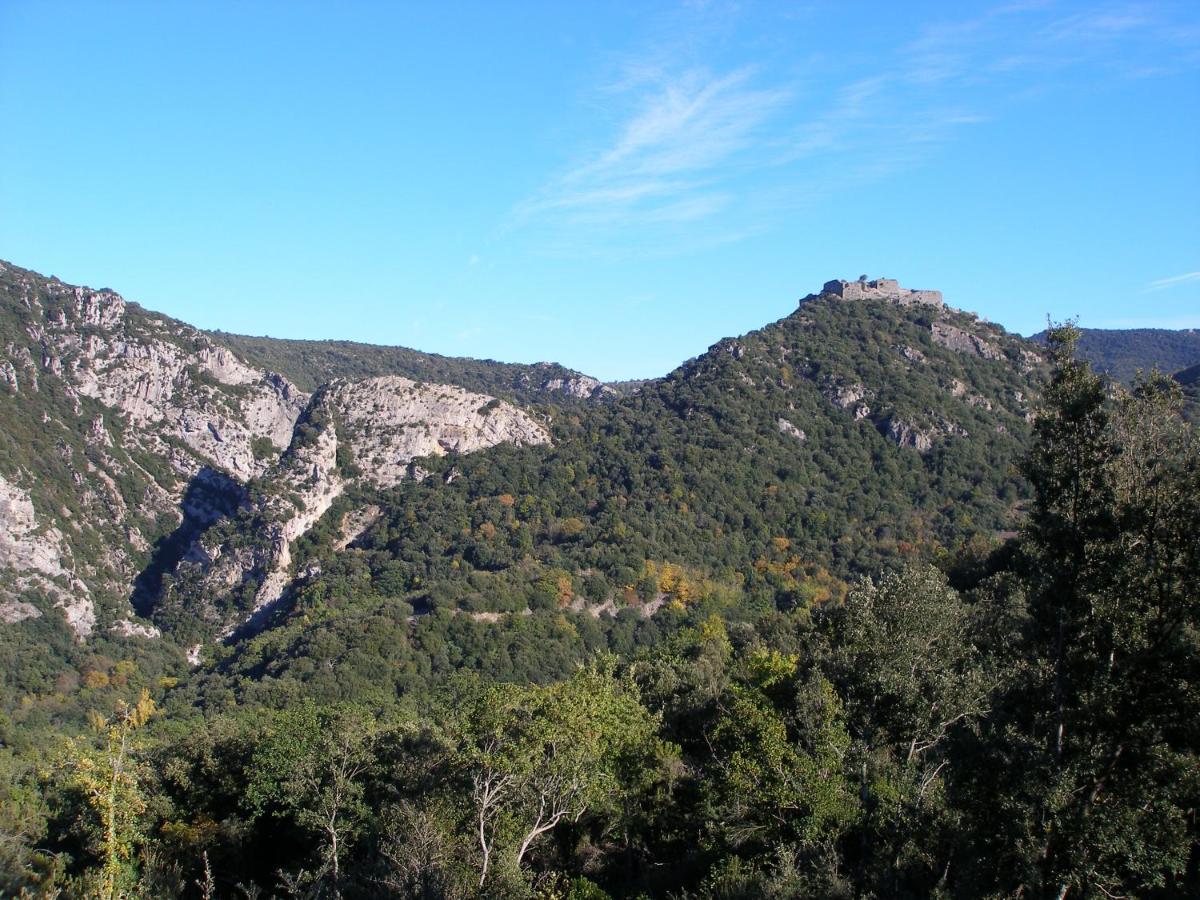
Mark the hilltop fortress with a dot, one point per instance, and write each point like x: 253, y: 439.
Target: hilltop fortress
x: 881, y: 289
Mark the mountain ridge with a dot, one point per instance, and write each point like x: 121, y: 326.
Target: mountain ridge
x: 1121, y: 352
x: 195, y: 493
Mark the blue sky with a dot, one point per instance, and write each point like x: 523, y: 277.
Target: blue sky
x: 612, y: 185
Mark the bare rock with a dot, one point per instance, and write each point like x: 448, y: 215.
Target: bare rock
x: 907, y: 434
x: 390, y: 421
x: 127, y: 628
x: 36, y: 558
x: 14, y: 611
x: 786, y: 427
x: 583, y: 387
x: 962, y: 341
x: 846, y: 395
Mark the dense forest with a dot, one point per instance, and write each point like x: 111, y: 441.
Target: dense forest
x: 1012, y: 715
x: 1122, y: 352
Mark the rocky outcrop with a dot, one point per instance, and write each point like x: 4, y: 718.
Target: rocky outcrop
x: 849, y: 397
x: 787, y: 428
x: 133, y: 409
x: 964, y: 341
x: 14, y: 611
x: 582, y: 387
x: 548, y: 378
x: 388, y: 422
x: 34, y: 557
x: 962, y: 392
x: 908, y: 434
x: 368, y: 431
x: 201, y: 395
x: 167, y: 380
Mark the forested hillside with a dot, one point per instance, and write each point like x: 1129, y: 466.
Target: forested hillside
x: 1189, y: 380
x: 1014, y: 721
x: 1121, y: 352
x: 878, y: 599
x: 765, y: 474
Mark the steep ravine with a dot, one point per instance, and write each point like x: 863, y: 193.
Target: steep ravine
x: 367, y: 432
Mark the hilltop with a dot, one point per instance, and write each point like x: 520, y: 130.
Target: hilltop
x: 136, y: 447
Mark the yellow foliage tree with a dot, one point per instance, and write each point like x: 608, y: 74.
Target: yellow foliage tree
x: 107, y: 781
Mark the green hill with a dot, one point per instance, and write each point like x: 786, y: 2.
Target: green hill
x: 1122, y: 352
x: 309, y: 364
x: 763, y: 474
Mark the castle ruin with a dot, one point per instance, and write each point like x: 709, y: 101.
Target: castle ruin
x: 881, y: 289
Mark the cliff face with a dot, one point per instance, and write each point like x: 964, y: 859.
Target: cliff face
x: 127, y: 435
x: 34, y: 556
x: 177, y: 383
x: 111, y: 416
x: 390, y: 421
x: 354, y: 433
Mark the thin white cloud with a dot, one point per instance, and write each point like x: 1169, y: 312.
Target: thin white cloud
x: 1174, y: 281
x: 678, y: 170
x: 685, y: 133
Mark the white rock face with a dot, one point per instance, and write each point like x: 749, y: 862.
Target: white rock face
x: 35, y: 558
x: 786, y: 427
x: 391, y: 421
x: 313, y: 478
x: 158, y: 382
x: 167, y: 391
x: 126, y: 628
x: 583, y: 387
x: 14, y: 611
x: 964, y: 341
x: 850, y: 397
x: 384, y: 423
x: 907, y: 434
x: 572, y: 384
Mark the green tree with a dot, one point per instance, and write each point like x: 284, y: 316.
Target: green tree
x: 778, y: 778
x: 312, y: 767
x: 1099, y: 738
x: 912, y: 677
x: 536, y: 758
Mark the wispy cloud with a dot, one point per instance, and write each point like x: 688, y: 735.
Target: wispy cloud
x: 687, y: 133
x: 682, y: 167
x: 1174, y: 281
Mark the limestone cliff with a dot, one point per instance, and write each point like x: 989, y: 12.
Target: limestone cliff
x: 390, y: 421
x: 117, y: 423
x: 365, y: 432
x: 32, y: 551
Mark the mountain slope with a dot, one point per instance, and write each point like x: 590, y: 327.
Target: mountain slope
x: 762, y: 474
x: 1121, y: 352
x: 1189, y: 380
x: 126, y: 435
x: 313, y: 363
x: 119, y: 426
x: 271, y: 531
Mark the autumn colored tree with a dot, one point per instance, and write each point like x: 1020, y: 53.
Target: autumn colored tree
x: 108, y: 781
